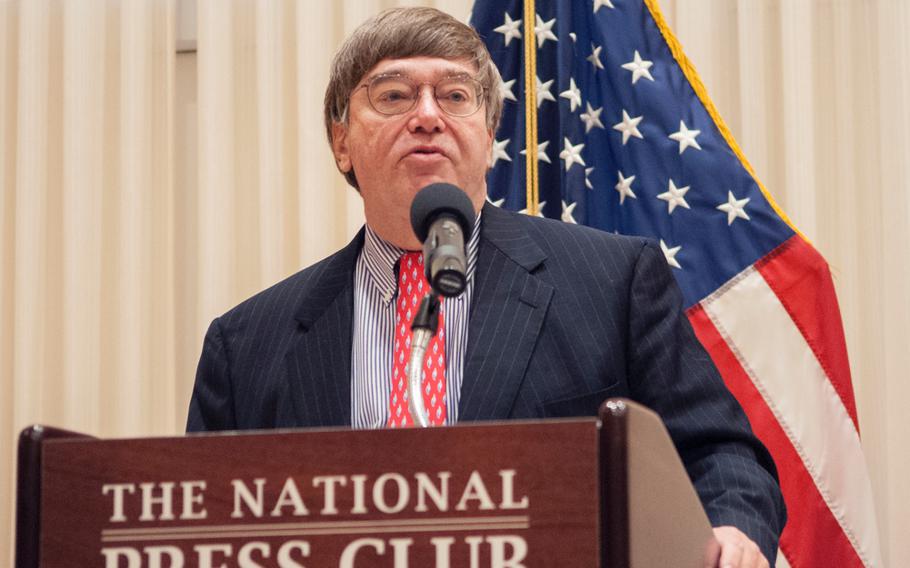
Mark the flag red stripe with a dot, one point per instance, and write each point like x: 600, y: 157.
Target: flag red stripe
x: 800, y: 278
x: 812, y: 536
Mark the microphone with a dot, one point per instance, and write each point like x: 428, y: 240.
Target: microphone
x: 441, y: 216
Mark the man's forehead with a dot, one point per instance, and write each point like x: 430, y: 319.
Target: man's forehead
x: 423, y: 68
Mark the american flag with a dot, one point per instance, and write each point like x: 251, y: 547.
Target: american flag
x: 628, y: 141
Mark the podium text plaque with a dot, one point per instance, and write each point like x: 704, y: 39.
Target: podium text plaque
x: 469, y: 496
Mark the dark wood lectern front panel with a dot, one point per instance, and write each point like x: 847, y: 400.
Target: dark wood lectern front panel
x: 474, y: 496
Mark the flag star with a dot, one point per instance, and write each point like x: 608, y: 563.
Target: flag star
x: 734, y: 208
x: 573, y: 94
x: 685, y: 137
x: 628, y: 127
x: 591, y: 118
x: 499, y: 151
x: 670, y: 254
x: 639, y: 68
x: 497, y: 203
x: 543, y: 92
x: 540, y: 207
x: 567, y: 210
x: 510, y: 28
x: 544, y: 31
x: 505, y: 90
x: 572, y: 154
x: 674, y: 197
x: 598, y: 4
x: 624, y: 187
x: 594, y: 58
x: 588, y: 183
x: 573, y: 36
x: 541, y: 152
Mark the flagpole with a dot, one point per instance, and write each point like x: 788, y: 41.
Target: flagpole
x: 530, y: 108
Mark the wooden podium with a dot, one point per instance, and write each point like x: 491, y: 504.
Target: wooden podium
x: 567, y: 493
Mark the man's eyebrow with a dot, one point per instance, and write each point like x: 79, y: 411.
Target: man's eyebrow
x: 388, y: 72
x: 400, y: 72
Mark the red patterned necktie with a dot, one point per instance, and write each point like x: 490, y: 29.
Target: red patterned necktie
x: 412, y: 287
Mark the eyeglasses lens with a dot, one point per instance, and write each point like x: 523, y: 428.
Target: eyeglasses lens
x: 457, y: 96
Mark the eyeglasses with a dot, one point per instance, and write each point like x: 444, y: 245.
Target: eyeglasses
x: 397, y: 94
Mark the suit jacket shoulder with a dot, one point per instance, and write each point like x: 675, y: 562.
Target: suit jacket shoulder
x: 563, y: 244
x: 242, y: 379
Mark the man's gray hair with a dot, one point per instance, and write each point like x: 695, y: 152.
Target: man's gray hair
x: 407, y: 32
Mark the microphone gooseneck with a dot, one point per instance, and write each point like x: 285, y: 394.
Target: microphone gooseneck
x: 424, y: 328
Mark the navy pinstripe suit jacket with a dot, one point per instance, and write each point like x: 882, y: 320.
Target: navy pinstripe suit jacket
x: 563, y: 317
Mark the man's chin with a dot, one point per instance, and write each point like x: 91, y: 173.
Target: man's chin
x: 420, y: 181
x: 476, y: 192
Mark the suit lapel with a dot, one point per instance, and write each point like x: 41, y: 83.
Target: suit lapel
x: 508, y: 309
x: 319, y: 363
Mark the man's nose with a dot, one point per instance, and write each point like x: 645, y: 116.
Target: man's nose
x: 426, y: 115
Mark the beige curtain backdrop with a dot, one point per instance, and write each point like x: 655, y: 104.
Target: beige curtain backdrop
x: 87, y: 281
x: 144, y: 193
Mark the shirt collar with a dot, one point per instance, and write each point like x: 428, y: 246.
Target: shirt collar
x: 379, y: 258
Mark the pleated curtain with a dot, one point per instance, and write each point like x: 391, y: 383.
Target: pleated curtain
x: 87, y: 325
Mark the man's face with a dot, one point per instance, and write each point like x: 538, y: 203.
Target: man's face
x: 396, y: 156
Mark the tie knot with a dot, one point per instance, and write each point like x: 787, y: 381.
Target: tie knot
x: 410, y: 271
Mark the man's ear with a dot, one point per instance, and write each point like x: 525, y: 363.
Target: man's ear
x: 340, y: 147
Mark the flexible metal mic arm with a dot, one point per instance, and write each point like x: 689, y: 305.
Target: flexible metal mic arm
x: 423, y: 329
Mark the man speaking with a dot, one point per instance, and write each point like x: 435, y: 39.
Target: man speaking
x: 553, y: 319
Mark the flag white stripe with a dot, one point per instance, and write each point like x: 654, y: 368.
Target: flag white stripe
x: 796, y: 389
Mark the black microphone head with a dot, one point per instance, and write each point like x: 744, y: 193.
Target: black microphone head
x: 436, y: 199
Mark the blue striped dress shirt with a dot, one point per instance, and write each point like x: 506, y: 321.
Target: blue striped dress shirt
x: 375, y: 290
